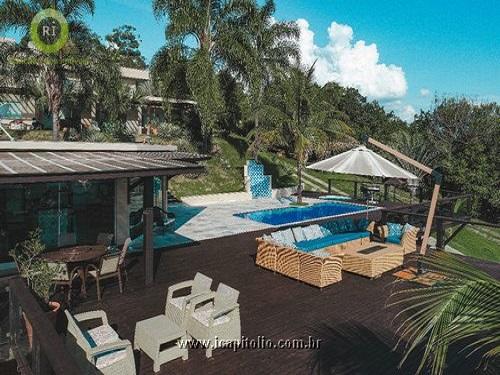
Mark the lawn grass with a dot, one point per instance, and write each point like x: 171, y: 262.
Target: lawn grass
x: 224, y: 174
x: 476, y: 245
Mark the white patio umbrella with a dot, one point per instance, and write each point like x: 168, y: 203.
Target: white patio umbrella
x: 363, y: 162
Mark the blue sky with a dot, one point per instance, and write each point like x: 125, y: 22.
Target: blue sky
x: 424, y: 47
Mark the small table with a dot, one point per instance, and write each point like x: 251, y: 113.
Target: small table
x: 151, y: 334
x: 77, y: 257
x: 373, y: 259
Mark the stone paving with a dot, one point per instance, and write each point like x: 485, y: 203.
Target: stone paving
x: 218, y: 220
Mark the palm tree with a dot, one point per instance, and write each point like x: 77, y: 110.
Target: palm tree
x: 461, y: 310
x: 18, y: 14
x: 200, y: 34
x: 297, y: 118
x: 269, y: 47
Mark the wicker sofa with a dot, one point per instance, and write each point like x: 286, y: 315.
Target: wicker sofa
x: 317, y: 254
x: 313, y: 255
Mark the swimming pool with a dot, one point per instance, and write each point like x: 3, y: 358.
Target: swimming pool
x: 291, y: 215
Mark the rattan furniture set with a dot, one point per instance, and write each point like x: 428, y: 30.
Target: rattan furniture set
x: 315, y: 262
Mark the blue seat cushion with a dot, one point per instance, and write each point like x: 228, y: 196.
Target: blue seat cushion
x: 334, y: 239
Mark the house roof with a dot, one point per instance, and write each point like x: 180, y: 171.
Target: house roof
x: 83, y: 146
x: 33, y: 166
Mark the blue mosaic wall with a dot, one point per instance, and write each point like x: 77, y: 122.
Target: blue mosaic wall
x: 260, y: 184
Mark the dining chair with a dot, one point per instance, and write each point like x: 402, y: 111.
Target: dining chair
x: 104, y: 239
x: 66, y: 239
x: 63, y: 276
x: 110, y: 266
x: 123, y: 256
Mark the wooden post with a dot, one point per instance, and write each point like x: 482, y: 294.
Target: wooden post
x: 148, y: 246
x: 355, y: 190
x: 440, y: 234
x: 430, y: 218
x: 148, y: 195
x: 164, y: 194
x: 329, y: 186
x: 386, y: 191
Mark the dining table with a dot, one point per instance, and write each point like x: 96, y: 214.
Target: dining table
x: 77, y: 257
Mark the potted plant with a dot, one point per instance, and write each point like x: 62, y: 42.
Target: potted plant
x: 36, y: 272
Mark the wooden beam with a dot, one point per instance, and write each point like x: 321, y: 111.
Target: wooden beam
x: 430, y: 218
x: 401, y: 156
x: 148, y: 247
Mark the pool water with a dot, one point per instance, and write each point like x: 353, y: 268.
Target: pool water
x: 290, y: 215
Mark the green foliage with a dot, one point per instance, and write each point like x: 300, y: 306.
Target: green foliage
x: 465, y: 137
x: 125, y: 41
x: 17, y: 15
x: 174, y: 134
x: 35, y: 270
x: 298, y: 120
x: 205, y: 88
x: 462, y: 309
x: 224, y: 174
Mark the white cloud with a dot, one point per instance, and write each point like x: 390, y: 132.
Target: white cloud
x: 425, y: 92
x: 351, y: 64
x: 404, y: 111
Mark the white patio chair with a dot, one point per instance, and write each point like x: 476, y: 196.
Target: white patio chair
x: 176, y: 307
x: 101, y: 345
x: 215, y: 315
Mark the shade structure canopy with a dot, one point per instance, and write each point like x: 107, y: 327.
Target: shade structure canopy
x: 363, y: 162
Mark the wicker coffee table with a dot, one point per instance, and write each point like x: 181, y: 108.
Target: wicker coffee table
x: 152, y: 335
x: 373, y: 259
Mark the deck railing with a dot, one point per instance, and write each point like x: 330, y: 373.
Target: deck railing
x: 48, y: 354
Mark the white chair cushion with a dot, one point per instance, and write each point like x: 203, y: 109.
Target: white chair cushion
x: 203, y: 315
x: 288, y: 237
x: 298, y: 233
x: 178, y: 301
x: 106, y: 335
x: 93, y: 273
x: 312, y: 232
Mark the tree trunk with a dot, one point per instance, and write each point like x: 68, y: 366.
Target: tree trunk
x: 256, y: 147
x: 299, y: 187
x: 54, y: 81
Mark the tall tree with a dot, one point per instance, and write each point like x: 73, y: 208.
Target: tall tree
x: 270, y: 46
x: 298, y: 118
x: 125, y: 41
x: 199, y: 33
x: 465, y: 136
x: 18, y: 15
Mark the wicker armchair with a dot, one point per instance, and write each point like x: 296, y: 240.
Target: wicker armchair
x: 176, y: 307
x: 215, y: 318
x: 63, y: 276
x: 101, y: 346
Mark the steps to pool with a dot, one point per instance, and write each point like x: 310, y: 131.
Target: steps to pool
x: 258, y: 184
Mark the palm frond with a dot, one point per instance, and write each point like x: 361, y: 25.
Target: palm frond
x: 463, y: 308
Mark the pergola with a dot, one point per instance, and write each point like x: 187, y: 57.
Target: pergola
x: 45, y: 162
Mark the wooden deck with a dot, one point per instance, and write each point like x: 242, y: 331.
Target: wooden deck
x: 349, y: 317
